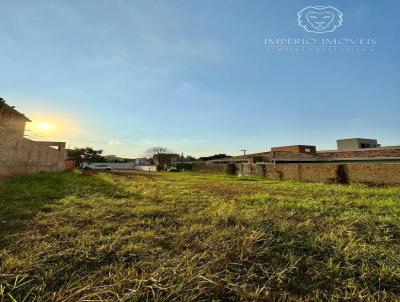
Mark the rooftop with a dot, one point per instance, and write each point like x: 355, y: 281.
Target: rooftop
x: 11, y: 109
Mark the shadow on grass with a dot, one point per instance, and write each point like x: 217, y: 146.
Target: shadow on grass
x: 23, y: 197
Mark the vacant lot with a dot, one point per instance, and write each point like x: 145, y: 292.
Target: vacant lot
x: 192, y: 237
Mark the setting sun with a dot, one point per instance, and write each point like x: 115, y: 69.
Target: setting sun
x: 43, y: 126
x: 47, y: 126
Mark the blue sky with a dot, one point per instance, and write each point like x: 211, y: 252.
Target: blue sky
x: 194, y: 76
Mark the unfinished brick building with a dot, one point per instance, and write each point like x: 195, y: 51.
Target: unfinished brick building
x: 19, y: 155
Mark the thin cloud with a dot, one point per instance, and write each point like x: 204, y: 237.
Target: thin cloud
x: 114, y: 142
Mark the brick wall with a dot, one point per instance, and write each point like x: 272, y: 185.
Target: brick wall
x: 19, y: 155
x: 291, y: 152
x: 361, y: 154
x: 296, y: 149
x: 202, y: 167
x: 303, y: 172
x: 374, y: 173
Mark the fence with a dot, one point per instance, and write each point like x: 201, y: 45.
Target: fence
x: 373, y: 173
x: 128, y: 166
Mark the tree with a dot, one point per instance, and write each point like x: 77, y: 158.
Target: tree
x: 89, y: 155
x: 155, y: 153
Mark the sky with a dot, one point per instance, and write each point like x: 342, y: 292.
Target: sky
x: 195, y: 76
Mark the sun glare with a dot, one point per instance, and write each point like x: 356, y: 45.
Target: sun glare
x: 43, y: 126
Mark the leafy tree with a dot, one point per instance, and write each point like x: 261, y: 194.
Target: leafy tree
x: 89, y: 155
x: 156, y: 151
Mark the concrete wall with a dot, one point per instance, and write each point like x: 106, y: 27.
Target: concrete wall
x: 23, y: 156
x: 373, y: 173
x: 129, y: 166
x: 350, y: 144
x: 146, y: 168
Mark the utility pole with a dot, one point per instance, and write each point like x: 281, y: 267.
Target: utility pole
x: 244, y: 151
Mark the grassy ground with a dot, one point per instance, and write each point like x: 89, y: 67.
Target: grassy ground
x: 188, y: 237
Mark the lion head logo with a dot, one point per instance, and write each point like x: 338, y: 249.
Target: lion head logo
x: 320, y: 19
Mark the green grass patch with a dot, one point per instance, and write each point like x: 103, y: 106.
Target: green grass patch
x: 196, y: 237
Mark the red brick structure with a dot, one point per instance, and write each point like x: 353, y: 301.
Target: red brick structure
x: 296, y: 149
x: 368, y: 173
x: 374, y: 153
x: 289, y: 154
x: 369, y: 165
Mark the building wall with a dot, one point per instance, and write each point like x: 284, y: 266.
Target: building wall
x: 393, y: 152
x: 361, y: 153
x: 141, y: 161
x: 128, y: 166
x: 355, y: 143
x: 296, y: 149
x: 11, y: 120
x: 19, y: 155
x: 202, y: 167
x: 373, y: 173
x: 146, y: 168
x: 303, y: 172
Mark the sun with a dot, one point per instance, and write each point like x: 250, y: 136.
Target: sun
x: 43, y: 126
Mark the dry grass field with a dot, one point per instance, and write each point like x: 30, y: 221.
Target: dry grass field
x: 194, y: 237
